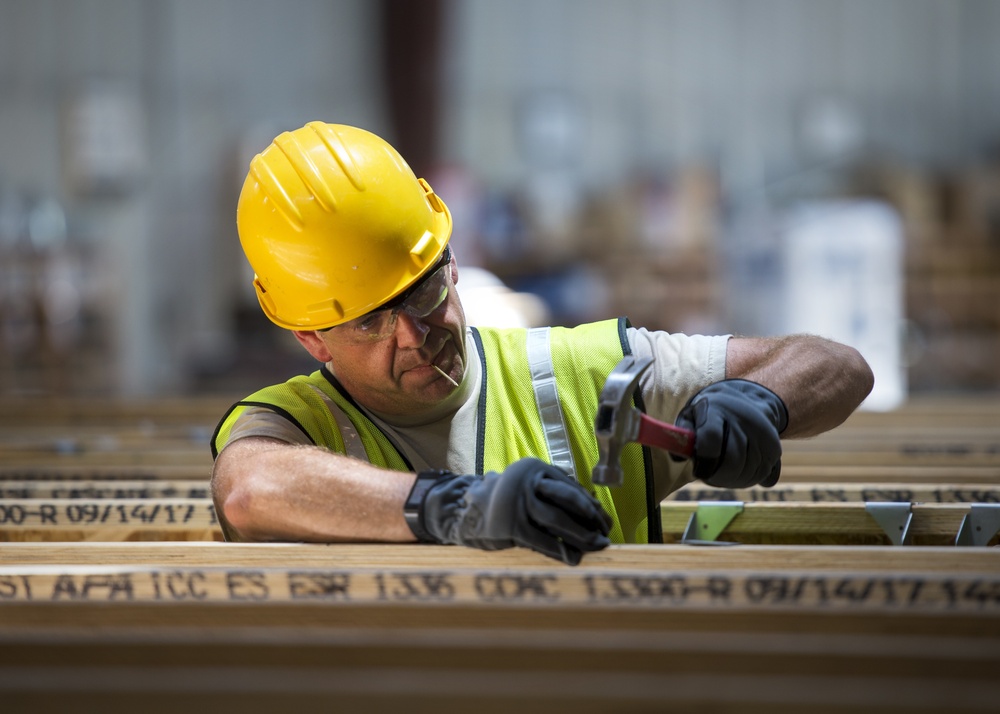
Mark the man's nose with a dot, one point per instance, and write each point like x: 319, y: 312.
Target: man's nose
x: 410, y: 331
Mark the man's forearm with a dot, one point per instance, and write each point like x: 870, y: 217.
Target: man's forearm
x: 267, y: 490
x: 821, y: 382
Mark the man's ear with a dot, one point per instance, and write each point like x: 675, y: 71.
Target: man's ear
x: 453, y: 265
x: 314, y: 344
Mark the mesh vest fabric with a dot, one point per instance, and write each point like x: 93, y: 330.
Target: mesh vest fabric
x: 299, y: 401
x: 582, y: 358
x: 510, y: 426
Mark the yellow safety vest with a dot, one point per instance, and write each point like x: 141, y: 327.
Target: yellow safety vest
x: 539, y: 395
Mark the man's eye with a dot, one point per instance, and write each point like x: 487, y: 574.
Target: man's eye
x: 368, y: 324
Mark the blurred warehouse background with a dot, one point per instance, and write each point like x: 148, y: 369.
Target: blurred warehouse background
x: 747, y: 166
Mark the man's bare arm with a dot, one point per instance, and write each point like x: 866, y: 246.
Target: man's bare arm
x: 821, y: 382
x: 265, y: 489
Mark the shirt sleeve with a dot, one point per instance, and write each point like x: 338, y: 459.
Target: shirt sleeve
x: 682, y: 366
x: 259, y: 421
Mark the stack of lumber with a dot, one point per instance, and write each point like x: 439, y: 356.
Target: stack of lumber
x: 116, y: 594
x: 940, y: 456
x: 106, y: 470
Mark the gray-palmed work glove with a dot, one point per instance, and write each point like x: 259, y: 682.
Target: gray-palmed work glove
x: 531, y: 504
x: 736, y: 425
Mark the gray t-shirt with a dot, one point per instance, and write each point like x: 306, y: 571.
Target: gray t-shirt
x: 446, y: 437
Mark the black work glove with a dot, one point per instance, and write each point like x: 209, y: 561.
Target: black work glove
x: 531, y: 504
x: 736, y: 424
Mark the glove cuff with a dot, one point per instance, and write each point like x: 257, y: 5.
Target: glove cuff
x: 413, y: 508
x: 778, y: 408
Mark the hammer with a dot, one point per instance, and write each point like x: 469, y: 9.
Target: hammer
x: 619, y: 423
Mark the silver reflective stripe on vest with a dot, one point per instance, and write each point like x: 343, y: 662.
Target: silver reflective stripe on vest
x: 543, y: 381
x: 352, y: 440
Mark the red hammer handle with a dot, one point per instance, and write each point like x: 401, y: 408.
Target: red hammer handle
x: 675, y: 439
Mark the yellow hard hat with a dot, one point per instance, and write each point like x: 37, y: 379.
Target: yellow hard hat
x: 335, y: 223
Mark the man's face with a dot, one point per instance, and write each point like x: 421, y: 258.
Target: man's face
x: 396, y: 375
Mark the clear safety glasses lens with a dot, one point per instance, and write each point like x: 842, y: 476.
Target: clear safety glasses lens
x: 380, y: 324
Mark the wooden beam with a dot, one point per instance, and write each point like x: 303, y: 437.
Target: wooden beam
x: 957, y: 456
x: 195, y: 519
x: 109, y: 519
x: 741, y: 590
x: 100, y: 489
x: 73, y: 411
x: 844, y: 492
x: 916, y: 472
x: 60, y: 513
x: 394, y: 555
x: 272, y: 627
x: 500, y: 594
x: 846, y: 523
x: 56, y: 469
x: 489, y: 671
x: 97, y: 459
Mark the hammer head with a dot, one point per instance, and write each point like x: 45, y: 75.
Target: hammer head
x: 617, y: 421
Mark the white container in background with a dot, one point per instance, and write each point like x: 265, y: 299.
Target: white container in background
x: 842, y: 275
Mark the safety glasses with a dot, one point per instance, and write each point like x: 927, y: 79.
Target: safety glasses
x: 423, y: 298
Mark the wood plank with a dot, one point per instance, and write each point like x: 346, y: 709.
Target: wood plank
x: 890, y: 436
x: 954, y: 589
x: 869, y: 491
x: 58, y: 513
x: 916, y: 472
x: 116, y: 411
x: 984, y: 458
x: 56, y: 470
x: 936, y: 410
x: 975, y: 594
x: 90, y: 436
x: 374, y: 592
x: 394, y: 555
x: 836, y: 522
x: 95, y: 460
x: 109, y: 519
x: 751, y: 628
x: 195, y: 519
x: 100, y: 489
x: 527, y: 670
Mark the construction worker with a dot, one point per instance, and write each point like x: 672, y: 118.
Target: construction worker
x: 419, y: 427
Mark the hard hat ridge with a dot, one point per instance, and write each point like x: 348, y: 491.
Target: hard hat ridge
x: 334, y: 223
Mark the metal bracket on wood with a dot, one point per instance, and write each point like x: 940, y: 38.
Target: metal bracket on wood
x: 979, y: 525
x: 894, y: 518
x: 709, y: 519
